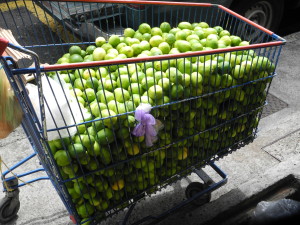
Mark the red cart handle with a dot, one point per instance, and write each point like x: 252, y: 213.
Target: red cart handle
x: 3, y: 45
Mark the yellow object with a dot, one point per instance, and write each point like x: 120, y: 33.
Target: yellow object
x: 182, y: 153
x: 133, y: 150
x: 10, y: 110
x: 118, y: 185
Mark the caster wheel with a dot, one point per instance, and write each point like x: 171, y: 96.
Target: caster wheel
x: 194, y: 188
x: 9, y: 208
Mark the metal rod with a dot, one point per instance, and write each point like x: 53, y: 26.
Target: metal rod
x: 19, y: 164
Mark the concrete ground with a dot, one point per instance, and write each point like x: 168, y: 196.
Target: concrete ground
x: 272, y: 157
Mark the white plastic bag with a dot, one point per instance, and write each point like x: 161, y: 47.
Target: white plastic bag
x: 61, y: 108
x: 276, y: 211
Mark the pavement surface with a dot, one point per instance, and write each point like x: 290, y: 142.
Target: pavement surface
x: 265, y: 164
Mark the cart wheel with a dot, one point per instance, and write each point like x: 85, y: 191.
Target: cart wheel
x: 9, y: 208
x: 195, y: 187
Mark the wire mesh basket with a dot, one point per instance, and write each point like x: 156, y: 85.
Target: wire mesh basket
x: 202, y: 97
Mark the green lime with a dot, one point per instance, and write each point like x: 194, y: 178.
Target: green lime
x: 155, y: 51
x: 89, y: 95
x: 145, y: 28
x: 123, y: 81
x: 127, y: 50
x: 110, y: 84
x: 111, y: 120
x: 185, y: 66
x: 196, y: 79
x: 239, y: 95
x: 183, y: 46
x: 164, y: 47
x: 134, y: 40
x: 137, y: 77
x: 239, y: 71
x: 85, y: 210
x: 88, y: 141
x: 156, y: 31
x: 100, y: 41
x: 235, y: 40
x: 106, y: 47
x: 215, y: 80
x: 114, y: 40
x: 88, y: 73
x: 146, y: 83
x: 83, y: 53
x: 174, y: 30
x: 226, y: 80
x: 75, y: 50
x: 181, y: 35
x: 92, y: 82
x: 66, y: 56
x: 96, y: 107
x: 88, y: 58
x: 75, y: 58
x: 105, y: 156
x: 212, y: 111
x: 73, y: 193
x: 101, y: 72
x: 208, y: 31
x: 89, y: 50
x: 145, y: 45
x: 165, y: 27
x: 61, y: 158
x: 226, y: 40
x: 177, y: 91
x: 164, y: 83
x: 70, y: 169
x: 224, y: 33
x: 99, y: 54
x: 170, y: 39
x: 94, y: 151
x: 91, y: 131
x: 155, y: 40
x: 52, y: 147
x: 186, y: 80
x: 123, y: 133
x: 129, y: 32
x: 101, y: 184
x: 105, y: 136
x: 174, y: 75
x: 119, y: 46
x: 146, y: 37
x: 121, y: 95
x: 63, y: 61
x: 105, y: 96
x: 200, y: 34
x: 103, y: 206
x: 185, y: 25
x: 135, y: 88
x: 136, y: 99
x: 76, y: 150
x: 193, y: 37
x: 155, y: 92
x: 219, y: 29
x: 161, y: 65
x: 146, y: 99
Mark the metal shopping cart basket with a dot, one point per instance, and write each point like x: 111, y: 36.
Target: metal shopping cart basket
x: 135, y: 95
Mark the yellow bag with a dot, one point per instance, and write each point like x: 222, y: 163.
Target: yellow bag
x: 10, y: 109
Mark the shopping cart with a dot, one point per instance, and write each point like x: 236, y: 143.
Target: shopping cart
x: 96, y: 157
